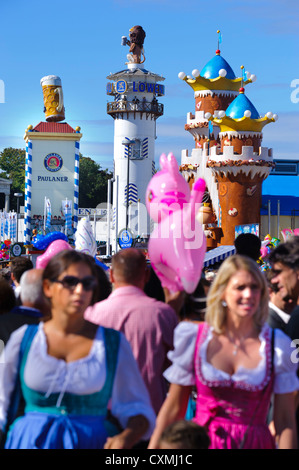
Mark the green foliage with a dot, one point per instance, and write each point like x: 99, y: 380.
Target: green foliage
x: 12, y: 166
x: 92, y: 183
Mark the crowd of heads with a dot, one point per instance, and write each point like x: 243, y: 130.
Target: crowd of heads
x: 130, y: 267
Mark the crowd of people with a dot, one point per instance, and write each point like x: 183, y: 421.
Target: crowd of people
x: 114, y: 361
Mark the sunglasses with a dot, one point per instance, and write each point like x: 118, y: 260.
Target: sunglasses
x: 70, y: 282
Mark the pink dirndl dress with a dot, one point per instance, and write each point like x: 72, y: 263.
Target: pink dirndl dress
x: 234, y: 413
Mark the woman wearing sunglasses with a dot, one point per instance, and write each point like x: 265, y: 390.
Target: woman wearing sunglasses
x: 70, y: 370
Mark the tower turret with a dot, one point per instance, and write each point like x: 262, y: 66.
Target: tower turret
x: 227, y: 129
x: 242, y: 164
x: 215, y: 87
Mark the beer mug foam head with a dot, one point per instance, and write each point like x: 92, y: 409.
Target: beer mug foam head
x: 53, y: 98
x: 49, y: 80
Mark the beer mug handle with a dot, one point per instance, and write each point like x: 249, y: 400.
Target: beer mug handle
x: 60, y: 96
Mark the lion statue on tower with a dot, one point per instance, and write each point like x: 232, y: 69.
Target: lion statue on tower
x: 137, y: 36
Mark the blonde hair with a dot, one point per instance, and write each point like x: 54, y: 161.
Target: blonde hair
x: 216, y: 312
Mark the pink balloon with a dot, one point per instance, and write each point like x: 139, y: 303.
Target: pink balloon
x: 177, y: 245
x: 264, y: 251
x: 55, y: 247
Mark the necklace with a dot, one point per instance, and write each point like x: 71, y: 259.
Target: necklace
x: 236, y: 346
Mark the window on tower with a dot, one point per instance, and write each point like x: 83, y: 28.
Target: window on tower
x: 136, y: 150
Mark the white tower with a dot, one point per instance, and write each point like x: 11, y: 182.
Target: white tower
x: 135, y: 109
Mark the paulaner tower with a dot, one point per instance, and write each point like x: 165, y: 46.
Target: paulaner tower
x: 52, y: 158
x: 135, y: 109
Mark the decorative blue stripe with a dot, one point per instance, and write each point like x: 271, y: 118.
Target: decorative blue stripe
x: 76, y: 186
x: 28, y: 184
x: 114, y: 217
x: 128, y: 149
x: 133, y: 193
x: 145, y: 148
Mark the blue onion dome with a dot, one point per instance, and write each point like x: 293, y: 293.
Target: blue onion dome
x: 240, y: 105
x: 211, y: 69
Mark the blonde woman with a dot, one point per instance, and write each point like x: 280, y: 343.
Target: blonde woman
x: 236, y: 364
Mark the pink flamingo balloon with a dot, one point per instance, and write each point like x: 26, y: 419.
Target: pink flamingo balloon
x: 177, y: 245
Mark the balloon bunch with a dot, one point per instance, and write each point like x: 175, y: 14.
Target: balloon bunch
x: 268, y: 245
x: 177, y: 245
x: 4, y: 250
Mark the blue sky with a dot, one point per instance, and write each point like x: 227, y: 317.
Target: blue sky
x: 81, y: 42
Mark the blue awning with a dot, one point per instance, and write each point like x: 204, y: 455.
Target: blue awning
x: 218, y: 254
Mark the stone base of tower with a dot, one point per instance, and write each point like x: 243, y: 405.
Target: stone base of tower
x: 240, y: 201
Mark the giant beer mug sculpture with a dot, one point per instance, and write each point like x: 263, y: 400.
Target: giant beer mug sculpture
x: 53, y: 98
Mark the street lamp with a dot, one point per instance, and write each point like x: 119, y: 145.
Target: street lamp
x: 128, y: 143
x: 18, y: 195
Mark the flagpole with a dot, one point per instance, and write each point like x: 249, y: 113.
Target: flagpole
x: 243, y: 78
x: 65, y: 217
x: 219, y: 38
x: 45, y: 209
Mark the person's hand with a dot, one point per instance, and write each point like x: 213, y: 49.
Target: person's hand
x: 136, y: 427
x: 119, y: 441
x: 174, y: 299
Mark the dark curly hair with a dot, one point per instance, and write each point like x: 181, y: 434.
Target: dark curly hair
x: 7, y: 297
x: 186, y: 435
x: 286, y: 253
